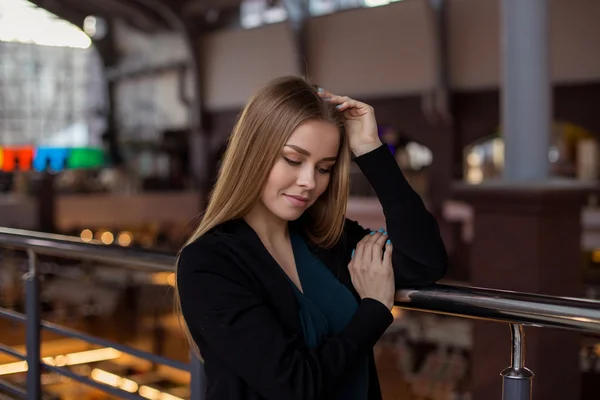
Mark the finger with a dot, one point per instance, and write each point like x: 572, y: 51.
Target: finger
x: 387, y: 256
x: 378, y: 247
x: 351, y: 263
x: 370, y: 245
x: 359, y: 253
x: 324, y: 93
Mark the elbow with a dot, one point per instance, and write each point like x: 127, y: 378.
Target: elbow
x: 411, y: 273
x: 438, y: 266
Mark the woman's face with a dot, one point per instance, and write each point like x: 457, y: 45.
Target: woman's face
x: 302, y: 171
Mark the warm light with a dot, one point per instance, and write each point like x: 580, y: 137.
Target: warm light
x: 49, y: 361
x: 171, y: 279
x: 596, y: 256
x: 397, y: 312
x: 163, y: 278
x: 13, y: 368
x: 474, y: 176
x: 89, y: 356
x: 107, y: 238
x: 86, y: 235
x: 82, y: 357
x: 474, y: 160
x: 128, y: 385
x: 149, y: 393
x: 125, y: 238
x: 105, y: 377
x: 114, y: 380
x: 60, y: 361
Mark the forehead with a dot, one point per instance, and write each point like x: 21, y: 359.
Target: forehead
x: 320, y: 138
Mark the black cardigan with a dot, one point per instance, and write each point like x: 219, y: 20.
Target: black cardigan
x: 242, y: 313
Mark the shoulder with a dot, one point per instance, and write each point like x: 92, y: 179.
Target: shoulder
x: 213, y: 250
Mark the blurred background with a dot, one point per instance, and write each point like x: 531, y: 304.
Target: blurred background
x: 114, y: 115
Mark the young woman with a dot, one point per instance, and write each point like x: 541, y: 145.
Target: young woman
x: 285, y: 297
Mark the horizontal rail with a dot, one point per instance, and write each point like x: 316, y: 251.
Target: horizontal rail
x: 13, y: 390
x: 460, y: 301
x: 12, y: 352
x: 12, y: 315
x: 61, y: 330
x: 122, y: 348
x: 504, y: 306
x: 73, y: 247
x: 119, y: 393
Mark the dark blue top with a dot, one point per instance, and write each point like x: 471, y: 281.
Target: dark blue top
x: 325, y: 308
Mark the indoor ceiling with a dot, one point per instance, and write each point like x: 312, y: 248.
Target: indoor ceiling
x: 146, y: 15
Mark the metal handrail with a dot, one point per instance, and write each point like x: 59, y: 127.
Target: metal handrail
x: 461, y: 301
x: 515, y: 308
x: 504, y: 306
x: 35, y: 243
x: 94, y: 250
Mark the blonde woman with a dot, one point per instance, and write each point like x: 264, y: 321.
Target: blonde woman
x: 283, y: 296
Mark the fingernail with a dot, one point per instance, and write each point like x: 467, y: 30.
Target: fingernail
x: 388, y: 242
x: 385, y: 233
x: 372, y: 233
x: 338, y: 106
x: 327, y: 99
x: 352, y: 256
x: 320, y: 89
x: 381, y: 230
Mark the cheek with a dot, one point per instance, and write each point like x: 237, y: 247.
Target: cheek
x: 322, y: 183
x: 279, y: 178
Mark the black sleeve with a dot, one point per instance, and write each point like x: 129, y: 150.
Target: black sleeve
x: 419, y: 256
x: 222, y: 307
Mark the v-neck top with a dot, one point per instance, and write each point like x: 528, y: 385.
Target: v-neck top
x: 325, y: 307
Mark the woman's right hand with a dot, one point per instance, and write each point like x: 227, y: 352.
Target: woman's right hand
x: 371, y: 269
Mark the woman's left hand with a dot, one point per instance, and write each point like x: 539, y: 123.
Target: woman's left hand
x: 359, y: 121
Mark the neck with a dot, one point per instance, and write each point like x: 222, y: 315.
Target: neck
x: 269, y: 228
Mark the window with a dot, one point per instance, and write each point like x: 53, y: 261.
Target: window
x: 48, y: 70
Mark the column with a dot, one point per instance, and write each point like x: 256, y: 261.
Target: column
x: 526, y: 89
x: 527, y: 226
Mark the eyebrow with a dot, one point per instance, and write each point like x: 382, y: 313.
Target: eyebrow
x: 306, y: 153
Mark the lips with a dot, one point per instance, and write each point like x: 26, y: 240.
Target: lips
x: 297, y: 201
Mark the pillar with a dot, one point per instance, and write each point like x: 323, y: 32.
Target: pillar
x: 526, y: 89
x: 527, y: 225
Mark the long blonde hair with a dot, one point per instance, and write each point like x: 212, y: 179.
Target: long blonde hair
x: 263, y: 128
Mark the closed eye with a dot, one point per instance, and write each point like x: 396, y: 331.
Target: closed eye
x: 291, y: 162
x: 296, y: 163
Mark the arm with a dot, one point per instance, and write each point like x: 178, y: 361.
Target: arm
x: 419, y: 256
x: 224, y: 309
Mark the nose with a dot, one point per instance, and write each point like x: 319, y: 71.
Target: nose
x: 306, y: 178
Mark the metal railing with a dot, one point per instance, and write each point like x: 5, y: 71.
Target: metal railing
x: 513, y: 308
x: 34, y: 244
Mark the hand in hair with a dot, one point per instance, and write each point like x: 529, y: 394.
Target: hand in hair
x: 359, y: 122
x: 371, y: 269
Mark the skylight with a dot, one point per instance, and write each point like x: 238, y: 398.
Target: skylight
x: 24, y: 22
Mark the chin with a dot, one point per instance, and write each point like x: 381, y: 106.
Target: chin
x: 290, y: 215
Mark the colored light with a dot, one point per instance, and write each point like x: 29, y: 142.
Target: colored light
x: 86, y: 158
x: 13, y: 156
x: 23, y: 158
x: 86, y: 235
x: 55, y: 158
x: 107, y: 238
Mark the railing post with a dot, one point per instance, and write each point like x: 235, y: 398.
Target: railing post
x: 197, y: 378
x: 516, y: 379
x: 32, y: 311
